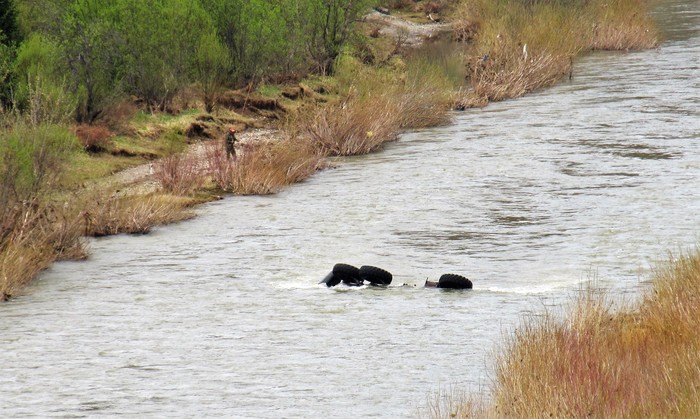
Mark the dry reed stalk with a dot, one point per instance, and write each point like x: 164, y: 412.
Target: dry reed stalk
x: 33, y: 236
x: 422, y: 107
x: 20, y: 263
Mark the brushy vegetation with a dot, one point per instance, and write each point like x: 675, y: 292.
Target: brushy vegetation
x: 376, y: 104
x: 262, y: 168
x: 520, y: 45
x: 601, y: 362
x: 86, y: 54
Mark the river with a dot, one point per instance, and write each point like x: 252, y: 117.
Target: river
x: 594, y: 180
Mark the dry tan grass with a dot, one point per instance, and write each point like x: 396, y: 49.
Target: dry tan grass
x: 517, y: 76
x: 523, y: 46
x: 33, y: 235
x: 263, y: 168
x: 376, y: 106
x: 107, y: 215
x: 621, y: 25
x: 353, y: 126
x: 20, y: 263
x: 599, y: 362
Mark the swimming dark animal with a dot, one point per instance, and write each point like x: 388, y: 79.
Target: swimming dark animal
x: 451, y: 281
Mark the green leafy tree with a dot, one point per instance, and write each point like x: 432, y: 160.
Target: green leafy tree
x: 42, y: 16
x: 329, y: 24
x: 160, y: 38
x: 40, y: 82
x: 8, y: 23
x: 212, y: 63
x: 90, y: 45
x: 31, y: 158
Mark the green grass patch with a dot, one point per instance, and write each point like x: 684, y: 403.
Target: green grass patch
x: 270, y: 90
x: 82, y: 167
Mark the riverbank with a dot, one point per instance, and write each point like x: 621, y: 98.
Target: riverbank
x: 598, y: 361
x: 380, y: 87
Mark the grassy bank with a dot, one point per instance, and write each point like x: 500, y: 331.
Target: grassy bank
x: 52, y: 195
x: 519, y: 46
x: 600, y: 362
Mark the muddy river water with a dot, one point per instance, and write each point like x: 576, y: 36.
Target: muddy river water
x: 595, y: 180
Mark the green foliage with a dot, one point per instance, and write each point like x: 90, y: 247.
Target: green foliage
x: 41, y: 89
x: 211, y: 63
x: 329, y: 23
x: 90, y: 43
x: 159, y: 38
x: 99, y: 50
x: 7, y: 57
x: 9, y: 31
x: 31, y: 158
x: 269, y: 37
x: 43, y: 16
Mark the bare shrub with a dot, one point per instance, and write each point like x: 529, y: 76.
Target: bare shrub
x: 180, y: 173
x: 353, y: 126
x: 94, y: 138
x: 118, y: 114
x: 263, y: 168
x: 220, y: 167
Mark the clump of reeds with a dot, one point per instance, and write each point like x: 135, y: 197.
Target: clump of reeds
x: 621, y: 25
x: 353, y: 126
x: 521, y: 46
x: 32, y: 236
x: 601, y: 362
x: 133, y: 214
x: 262, y: 168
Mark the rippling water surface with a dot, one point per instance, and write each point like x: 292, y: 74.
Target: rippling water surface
x: 223, y: 316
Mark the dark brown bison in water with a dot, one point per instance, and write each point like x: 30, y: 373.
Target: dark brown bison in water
x: 354, y: 277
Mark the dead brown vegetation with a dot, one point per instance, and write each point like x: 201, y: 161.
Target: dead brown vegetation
x: 94, y: 138
x: 181, y: 173
x: 109, y: 215
x: 262, y: 168
x: 517, y: 47
x: 598, y: 361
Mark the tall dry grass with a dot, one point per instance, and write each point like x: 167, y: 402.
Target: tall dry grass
x: 621, y: 25
x: 104, y: 214
x: 32, y: 236
x: 521, y: 46
x: 376, y: 105
x: 600, y: 362
x: 262, y: 168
